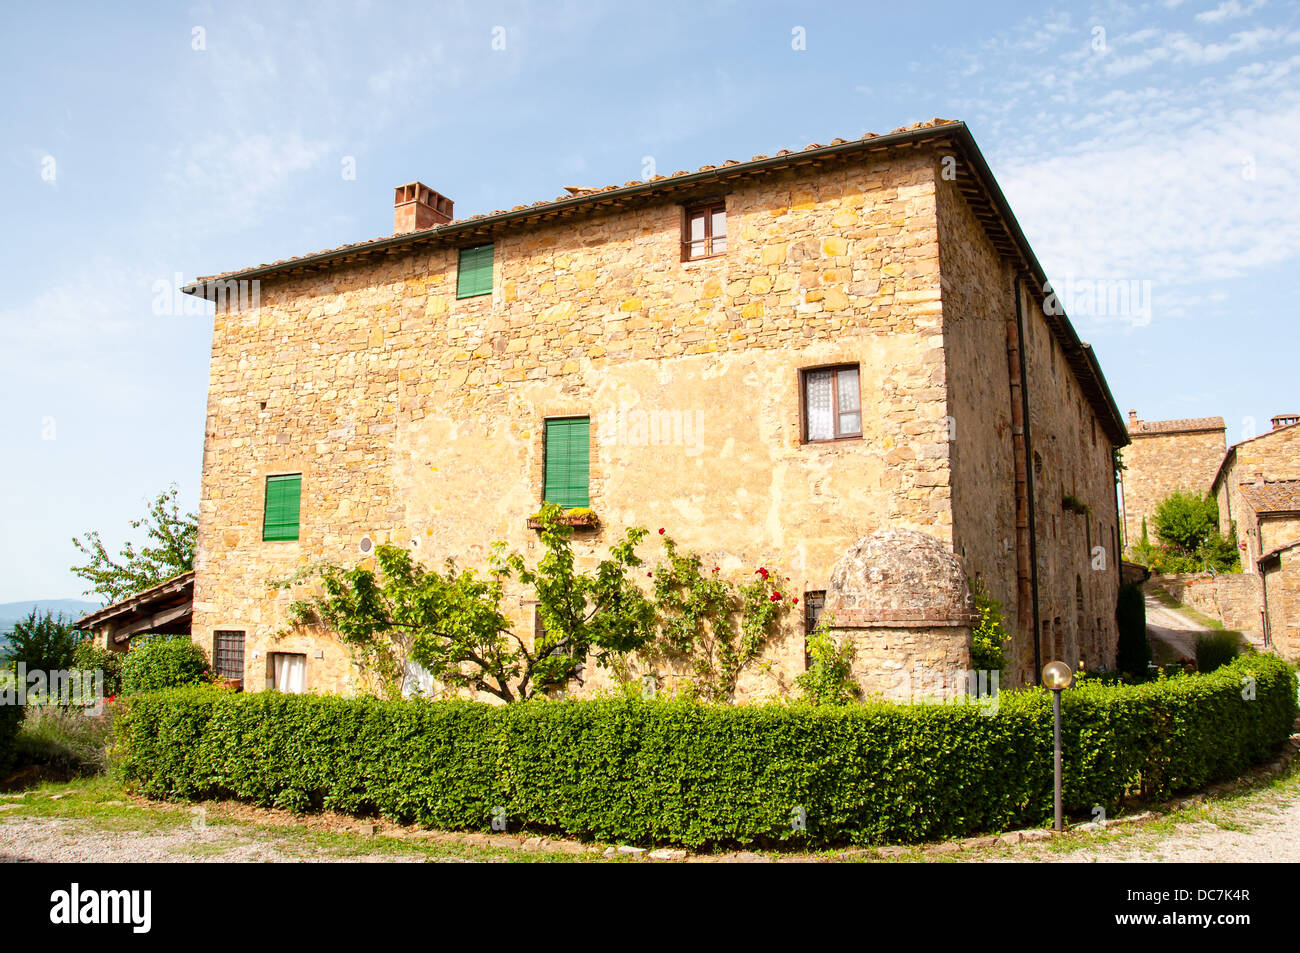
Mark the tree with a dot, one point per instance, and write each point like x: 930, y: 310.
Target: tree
x: 451, y: 624
x: 45, y: 643
x: 1134, y: 652
x: 1187, y: 526
x: 167, y: 552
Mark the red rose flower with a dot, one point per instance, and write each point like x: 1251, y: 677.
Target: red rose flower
x: 776, y: 597
x: 661, y: 530
x: 795, y: 600
x: 762, y: 572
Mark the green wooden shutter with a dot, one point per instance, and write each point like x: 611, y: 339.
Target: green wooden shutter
x: 475, y: 274
x: 283, y: 496
x: 568, y: 461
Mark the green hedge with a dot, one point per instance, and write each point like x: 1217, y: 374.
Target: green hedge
x: 695, y: 775
x: 163, y: 661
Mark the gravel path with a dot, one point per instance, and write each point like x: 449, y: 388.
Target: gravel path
x: 1173, y: 630
x: 1263, y: 827
x: 62, y: 840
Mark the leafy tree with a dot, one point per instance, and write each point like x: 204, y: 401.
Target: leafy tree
x: 1134, y: 652
x: 1187, y: 526
x: 169, y: 551
x: 451, y: 623
x: 46, y: 643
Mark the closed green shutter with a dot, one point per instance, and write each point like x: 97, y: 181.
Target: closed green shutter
x: 568, y: 461
x: 475, y: 274
x: 283, y: 495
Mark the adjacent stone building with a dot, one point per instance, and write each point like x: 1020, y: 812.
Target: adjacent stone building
x: 1166, y: 456
x: 774, y: 359
x: 1256, y: 484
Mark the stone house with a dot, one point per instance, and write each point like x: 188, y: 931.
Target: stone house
x: 1255, y: 485
x: 1164, y: 457
x: 774, y: 359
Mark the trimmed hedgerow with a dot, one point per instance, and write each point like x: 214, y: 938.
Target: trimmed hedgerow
x: 673, y: 772
x: 163, y: 661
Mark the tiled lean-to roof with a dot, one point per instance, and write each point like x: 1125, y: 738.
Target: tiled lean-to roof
x: 1273, y: 496
x: 973, y: 179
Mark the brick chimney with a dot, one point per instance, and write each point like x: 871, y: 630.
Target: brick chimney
x: 1285, y: 420
x: 416, y: 207
x: 1132, y: 419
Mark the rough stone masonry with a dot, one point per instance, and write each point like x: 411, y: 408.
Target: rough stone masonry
x: 417, y: 417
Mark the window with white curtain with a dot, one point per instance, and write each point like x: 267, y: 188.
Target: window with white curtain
x: 290, y: 672
x: 832, y: 403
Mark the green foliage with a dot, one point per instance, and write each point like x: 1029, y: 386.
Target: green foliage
x: 1134, y: 651
x: 89, y: 657
x: 829, y: 678
x: 168, y: 551
x: 71, y: 739
x: 452, y: 625
x: 714, y: 626
x: 46, y: 643
x: 989, y: 637
x: 675, y: 772
x: 1187, y: 527
x: 1217, y: 649
x: 163, y: 661
x: 11, y: 719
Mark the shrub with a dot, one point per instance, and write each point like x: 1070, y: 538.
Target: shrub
x: 89, y: 657
x: 73, y: 739
x: 1134, y: 652
x: 1217, y: 649
x: 163, y: 661
x: 989, y: 636
x: 11, y: 717
x: 829, y: 678
x: 654, y: 772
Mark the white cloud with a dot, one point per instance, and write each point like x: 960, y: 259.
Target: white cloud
x: 1229, y: 10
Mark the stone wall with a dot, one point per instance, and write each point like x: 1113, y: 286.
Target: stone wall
x: 1272, y: 456
x: 1281, y: 582
x: 1235, y: 599
x: 417, y: 418
x: 1160, y: 463
x: 901, y: 599
x: 1078, y: 562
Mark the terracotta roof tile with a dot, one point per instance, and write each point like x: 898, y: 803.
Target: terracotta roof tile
x: 1273, y: 496
x: 1176, y: 426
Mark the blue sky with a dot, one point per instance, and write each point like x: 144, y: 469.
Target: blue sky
x: 1153, y: 143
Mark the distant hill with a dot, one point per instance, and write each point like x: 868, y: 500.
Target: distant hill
x: 11, y: 612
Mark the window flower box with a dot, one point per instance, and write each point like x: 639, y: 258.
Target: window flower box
x: 581, y: 517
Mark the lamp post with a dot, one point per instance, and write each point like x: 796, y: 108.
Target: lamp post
x: 1057, y: 677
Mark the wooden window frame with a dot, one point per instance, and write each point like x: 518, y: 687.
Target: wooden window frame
x: 835, y: 402
x: 709, y: 207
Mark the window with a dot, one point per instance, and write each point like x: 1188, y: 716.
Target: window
x: 813, y: 602
x: 704, y: 230
x: 228, y: 651
x: 832, y: 405
x: 474, y: 276
x: 283, y: 494
x: 288, y: 672
x: 568, y: 461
